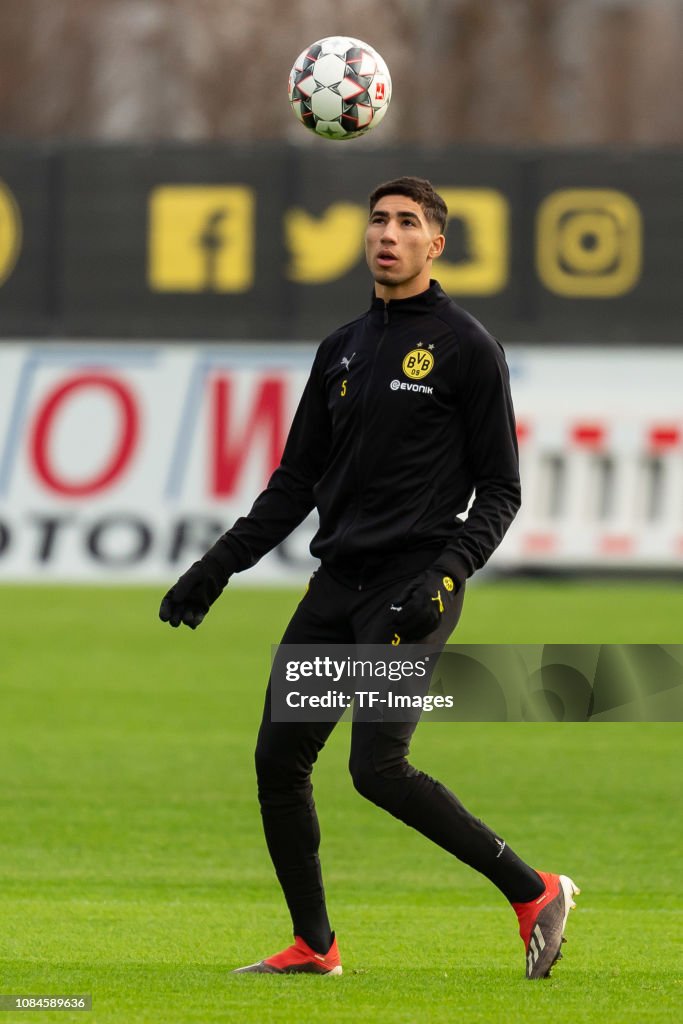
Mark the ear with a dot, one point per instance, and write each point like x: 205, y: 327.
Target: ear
x: 436, y: 247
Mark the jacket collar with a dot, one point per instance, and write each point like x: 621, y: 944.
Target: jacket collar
x: 413, y: 304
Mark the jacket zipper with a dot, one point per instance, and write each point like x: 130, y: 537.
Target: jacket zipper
x: 358, y: 442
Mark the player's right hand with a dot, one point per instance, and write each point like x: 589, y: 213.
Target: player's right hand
x: 189, y: 600
x: 418, y: 610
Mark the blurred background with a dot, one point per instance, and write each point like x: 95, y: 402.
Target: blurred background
x: 173, y: 244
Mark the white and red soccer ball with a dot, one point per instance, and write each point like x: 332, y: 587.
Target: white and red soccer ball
x: 339, y: 87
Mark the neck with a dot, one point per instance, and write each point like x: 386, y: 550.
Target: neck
x: 405, y: 290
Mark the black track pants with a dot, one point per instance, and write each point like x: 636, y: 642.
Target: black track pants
x: 331, y: 612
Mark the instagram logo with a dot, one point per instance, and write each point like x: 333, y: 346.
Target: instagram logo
x: 589, y: 243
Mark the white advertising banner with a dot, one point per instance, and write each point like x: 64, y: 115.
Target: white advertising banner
x: 601, y: 458
x: 124, y: 462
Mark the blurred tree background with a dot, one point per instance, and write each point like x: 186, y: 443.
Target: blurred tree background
x: 472, y: 71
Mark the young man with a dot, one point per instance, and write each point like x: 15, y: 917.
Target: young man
x: 406, y: 412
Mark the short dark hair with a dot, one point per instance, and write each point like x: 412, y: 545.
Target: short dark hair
x: 420, y: 191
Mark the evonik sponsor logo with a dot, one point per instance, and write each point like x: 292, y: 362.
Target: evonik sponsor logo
x: 402, y: 385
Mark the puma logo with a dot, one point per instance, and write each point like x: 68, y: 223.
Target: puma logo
x: 346, y: 360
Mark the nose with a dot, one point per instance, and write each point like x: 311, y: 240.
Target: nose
x: 388, y: 232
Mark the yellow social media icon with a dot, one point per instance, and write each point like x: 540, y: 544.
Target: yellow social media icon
x: 324, y: 248
x: 201, y: 238
x: 589, y: 243
x: 483, y: 216
x: 10, y: 232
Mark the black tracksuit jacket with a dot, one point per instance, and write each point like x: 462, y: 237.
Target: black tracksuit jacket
x: 406, y: 412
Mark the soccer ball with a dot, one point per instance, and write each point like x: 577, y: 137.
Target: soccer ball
x: 339, y: 87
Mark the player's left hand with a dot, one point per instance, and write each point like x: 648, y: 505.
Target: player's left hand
x: 418, y: 610
x: 189, y: 600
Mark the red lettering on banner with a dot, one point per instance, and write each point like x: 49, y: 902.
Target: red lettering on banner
x: 120, y: 456
x: 664, y: 437
x: 539, y: 542
x: 589, y: 435
x: 232, y: 446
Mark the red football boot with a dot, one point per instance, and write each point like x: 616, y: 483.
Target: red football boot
x: 542, y: 921
x: 298, y: 959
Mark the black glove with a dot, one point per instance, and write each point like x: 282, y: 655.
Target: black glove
x: 417, y: 612
x: 190, y: 598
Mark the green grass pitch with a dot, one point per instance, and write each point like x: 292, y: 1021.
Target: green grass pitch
x: 132, y: 862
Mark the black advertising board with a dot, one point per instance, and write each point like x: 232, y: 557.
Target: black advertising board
x: 483, y: 192
x: 608, y: 233
x: 30, y: 261
x: 265, y: 242
x: 173, y: 242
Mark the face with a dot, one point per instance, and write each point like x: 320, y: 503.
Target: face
x: 400, y: 244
